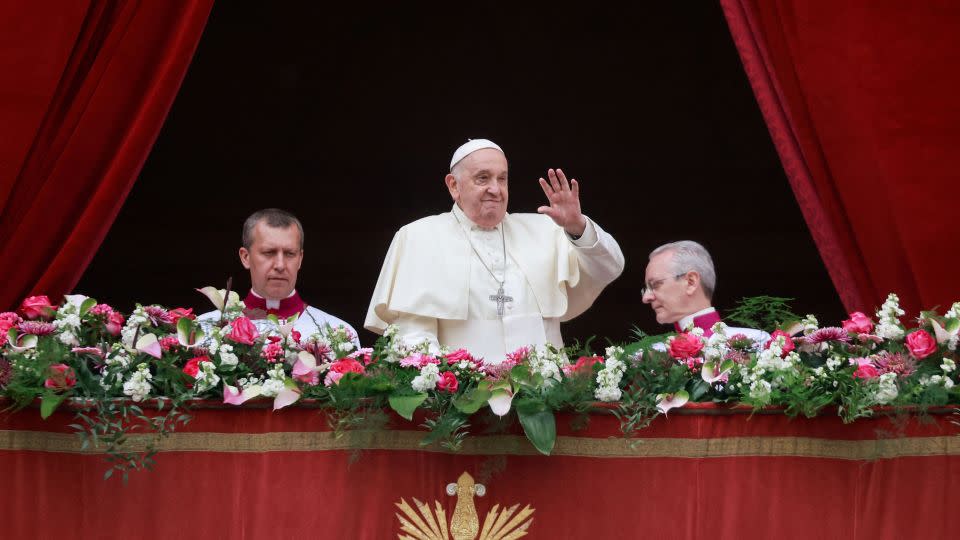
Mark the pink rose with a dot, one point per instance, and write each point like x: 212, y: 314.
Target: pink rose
x: 858, y: 323
x: 61, y: 377
x: 178, y: 313
x: 37, y: 307
x: 458, y: 356
x: 685, y: 345
x: 243, y: 331
x: 448, y: 382
x: 347, y: 365
x: 193, y: 365
x: 921, y: 344
x: 340, y: 368
x: 115, y: 323
x: 8, y: 320
x: 866, y: 371
x: 788, y: 345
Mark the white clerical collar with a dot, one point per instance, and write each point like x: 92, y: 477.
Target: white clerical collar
x: 272, y: 304
x: 468, y: 224
x: 687, y: 321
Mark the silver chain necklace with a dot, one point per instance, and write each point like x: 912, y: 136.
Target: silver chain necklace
x: 500, y: 298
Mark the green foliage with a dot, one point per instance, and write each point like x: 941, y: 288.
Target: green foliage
x: 405, y: 405
x: 763, y: 312
x: 539, y: 424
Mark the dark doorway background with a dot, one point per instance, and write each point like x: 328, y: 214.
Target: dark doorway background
x: 346, y: 115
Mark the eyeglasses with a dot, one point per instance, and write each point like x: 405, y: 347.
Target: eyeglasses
x: 652, y: 286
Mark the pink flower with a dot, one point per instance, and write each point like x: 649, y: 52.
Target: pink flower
x: 96, y: 351
x: 866, y: 371
x: 583, y: 364
x: 921, y: 344
x: 296, y: 336
x: 115, y: 322
x: 243, y: 331
x: 320, y: 351
x: 193, y: 365
x: 340, y: 368
x: 158, y: 315
x: 272, y: 352
x: 178, y: 313
x: 37, y: 307
x: 459, y: 355
x: 830, y: 333
x: 897, y: 363
x: 787, y: 342
x: 8, y: 320
x: 858, y: 323
x: 311, y: 377
x: 36, y: 328
x: 518, y: 355
x: 448, y: 382
x: 418, y: 360
x: 685, y: 345
x: 101, y: 309
x: 61, y: 377
x: 365, y: 355
x: 332, y: 378
x: 169, y: 342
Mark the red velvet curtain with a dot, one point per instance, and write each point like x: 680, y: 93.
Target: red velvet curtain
x: 254, y: 473
x: 860, y: 99
x: 84, y: 90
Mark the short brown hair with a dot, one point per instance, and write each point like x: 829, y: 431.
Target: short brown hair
x: 273, y: 217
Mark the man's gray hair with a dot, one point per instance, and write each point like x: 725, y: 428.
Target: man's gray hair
x: 689, y: 255
x: 273, y: 217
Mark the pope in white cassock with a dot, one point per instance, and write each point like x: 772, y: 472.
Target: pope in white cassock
x: 480, y: 278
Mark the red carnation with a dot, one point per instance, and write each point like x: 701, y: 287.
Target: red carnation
x: 787, y: 342
x: 193, y: 365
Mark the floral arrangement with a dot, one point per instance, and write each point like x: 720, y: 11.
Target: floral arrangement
x: 109, y: 364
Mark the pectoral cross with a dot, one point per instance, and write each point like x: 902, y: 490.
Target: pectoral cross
x: 500, y: 299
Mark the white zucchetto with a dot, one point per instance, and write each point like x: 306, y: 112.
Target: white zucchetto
x: 471, y: 146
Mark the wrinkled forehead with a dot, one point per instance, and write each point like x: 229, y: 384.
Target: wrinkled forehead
x: 659, y: 265
x: 265, y: 236
x: 485, y: 159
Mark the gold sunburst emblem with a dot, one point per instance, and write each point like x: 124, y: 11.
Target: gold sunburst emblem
x: 430, y: 524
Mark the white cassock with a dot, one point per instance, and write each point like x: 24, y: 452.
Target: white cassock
x: 441, y: 271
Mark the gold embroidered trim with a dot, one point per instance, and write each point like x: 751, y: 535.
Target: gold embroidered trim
x: 39, y: 441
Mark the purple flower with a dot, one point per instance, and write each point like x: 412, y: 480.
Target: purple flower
x: 830, y: 333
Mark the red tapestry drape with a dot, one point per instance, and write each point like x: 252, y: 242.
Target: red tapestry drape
x: 254, y: 473
x: 84, y: 90
x: 860, y: 100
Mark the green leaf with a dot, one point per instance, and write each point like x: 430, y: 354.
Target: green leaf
x: 405, y: 405
x: 699, y: 388
x: 87, y: 305
x: 471, y: 402
x: 952, y: 325
x: 538, y: 423
x: 108, y: 474
x: 49, y: 403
